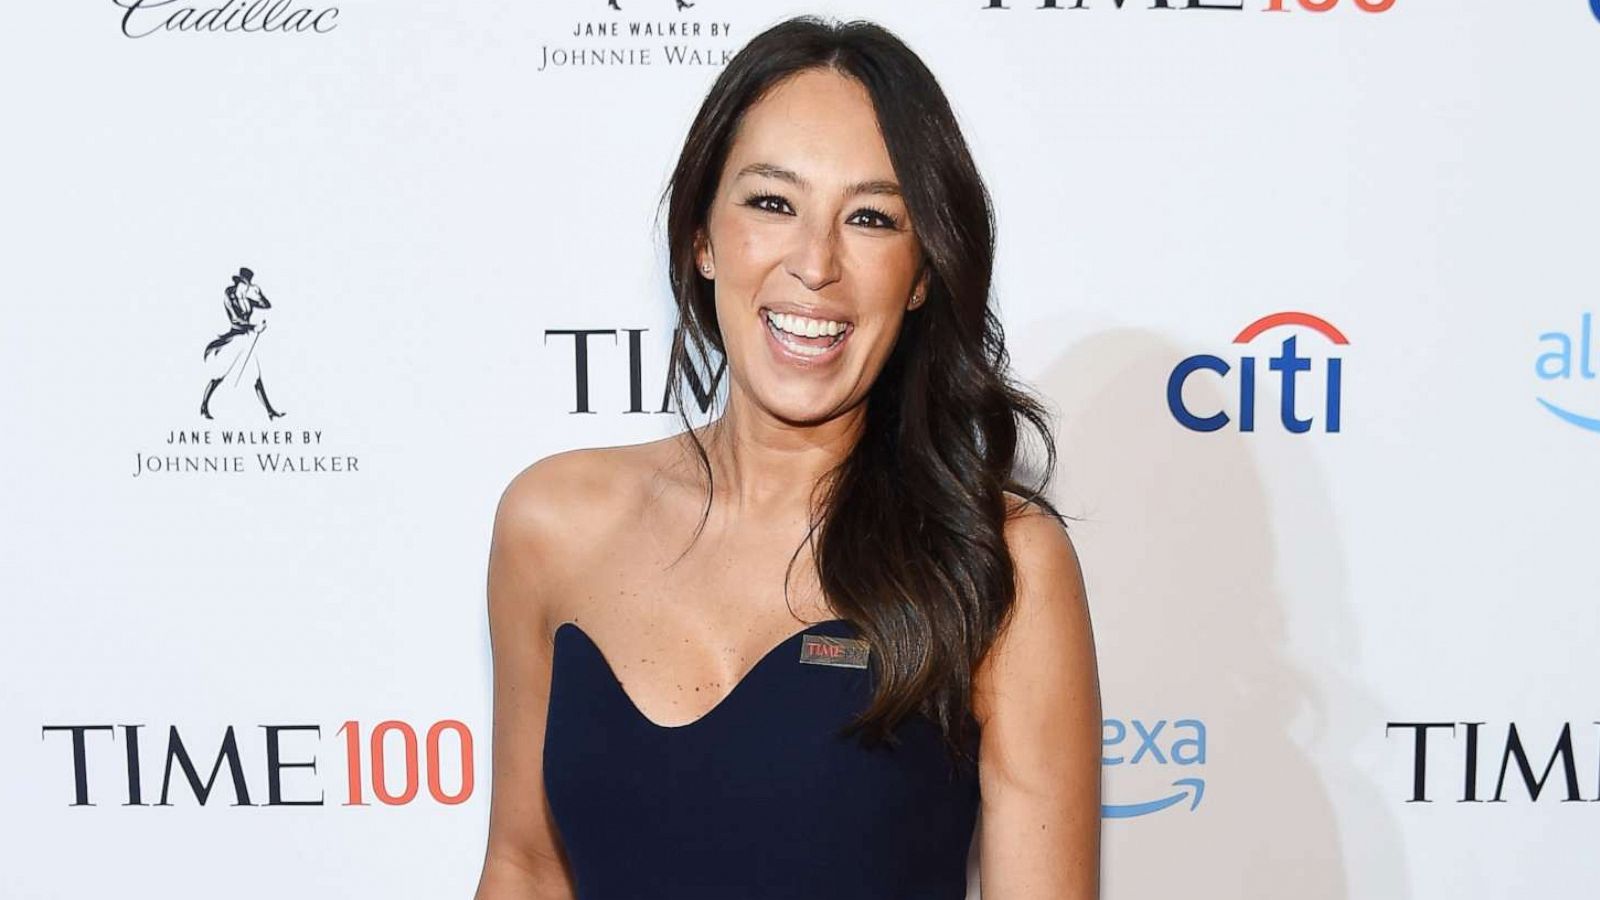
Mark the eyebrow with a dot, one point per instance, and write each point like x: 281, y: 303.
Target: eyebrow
x: 871, y: 186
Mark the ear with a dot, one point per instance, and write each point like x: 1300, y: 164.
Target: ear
x: 702, y: 254
x: 919, y: 290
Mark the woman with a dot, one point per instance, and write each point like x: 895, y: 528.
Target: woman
x: 242, y: 301
x: 662, y: 729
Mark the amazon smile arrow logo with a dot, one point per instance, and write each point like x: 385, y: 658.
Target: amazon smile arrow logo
x: 1130, y: 810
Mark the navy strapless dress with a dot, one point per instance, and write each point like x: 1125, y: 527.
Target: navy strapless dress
x: 756, y: 800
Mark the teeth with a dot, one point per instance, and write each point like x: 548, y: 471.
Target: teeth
x: 786, y: 324
x: 803, y: 349
x: 805, y: 327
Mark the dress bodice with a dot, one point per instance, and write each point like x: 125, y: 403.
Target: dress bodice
x: 758, y: 798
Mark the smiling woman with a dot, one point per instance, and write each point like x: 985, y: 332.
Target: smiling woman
x: 661, y: 727
x: 797, y: 240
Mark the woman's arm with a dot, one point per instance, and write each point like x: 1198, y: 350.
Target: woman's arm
x: 523, y: 858
x: 1037, y: 696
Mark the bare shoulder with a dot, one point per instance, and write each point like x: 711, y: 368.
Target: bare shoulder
x: 1049, y: 626
x: 545, y: 496
x: 558, y: 514
x: 1040, y: 547
x: 1049, y: 574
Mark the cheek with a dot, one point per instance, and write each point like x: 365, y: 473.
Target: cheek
x: 883, y: 302
x: 883, y: 339
x: 887, y: 274
x: 745, y: 253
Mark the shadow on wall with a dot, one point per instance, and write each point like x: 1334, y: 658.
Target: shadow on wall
x: 1196, y: 593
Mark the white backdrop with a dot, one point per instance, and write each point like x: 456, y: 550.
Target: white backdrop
x: 425, y: 192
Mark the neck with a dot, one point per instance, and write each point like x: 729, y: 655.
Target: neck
x: 760, y: 462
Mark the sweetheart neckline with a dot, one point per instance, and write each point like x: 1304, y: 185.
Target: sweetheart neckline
x: 638, y: 713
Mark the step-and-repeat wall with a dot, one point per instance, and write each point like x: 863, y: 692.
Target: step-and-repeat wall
x: 1310, y: 284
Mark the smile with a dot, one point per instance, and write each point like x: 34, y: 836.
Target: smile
x: 807, y: 338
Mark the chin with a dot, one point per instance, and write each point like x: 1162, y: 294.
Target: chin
x: 801, y: 405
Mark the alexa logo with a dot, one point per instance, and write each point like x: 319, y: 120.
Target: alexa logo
x: 1161, y: 747
x: 1289, y: 364
x: 1567, y: 358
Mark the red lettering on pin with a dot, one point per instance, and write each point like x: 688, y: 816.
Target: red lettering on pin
x: 825, y: 650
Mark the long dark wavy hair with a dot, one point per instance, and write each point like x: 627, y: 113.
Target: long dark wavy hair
x: 908, y: 531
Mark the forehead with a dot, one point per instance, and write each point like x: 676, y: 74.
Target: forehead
x: 819, y: 123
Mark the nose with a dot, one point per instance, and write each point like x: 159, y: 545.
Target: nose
x: 815, y: 257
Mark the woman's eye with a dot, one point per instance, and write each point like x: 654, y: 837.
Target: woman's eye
x: 884, y: 219
x: 760, y: 201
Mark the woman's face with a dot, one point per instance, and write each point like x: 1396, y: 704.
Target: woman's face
x: 811, y: 250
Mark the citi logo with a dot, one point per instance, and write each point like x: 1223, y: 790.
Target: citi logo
x: 1556, y: 364
x: 1288, y: 363
x: 1184, y: 747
